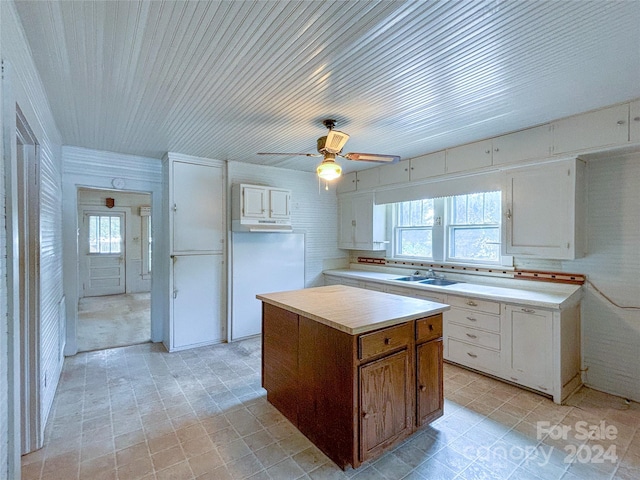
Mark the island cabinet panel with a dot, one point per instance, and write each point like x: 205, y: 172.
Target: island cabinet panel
x: 385, y: 403
x: 429, y: 382
x: 280, y: 346
x: 327, y: 390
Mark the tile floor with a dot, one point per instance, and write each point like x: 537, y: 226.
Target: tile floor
x: 141, y: 413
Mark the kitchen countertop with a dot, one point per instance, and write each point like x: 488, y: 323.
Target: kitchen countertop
x: 543, y: 295
x: 352, y: 310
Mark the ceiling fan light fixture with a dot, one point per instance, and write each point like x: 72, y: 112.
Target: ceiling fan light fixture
x: 329, y: 169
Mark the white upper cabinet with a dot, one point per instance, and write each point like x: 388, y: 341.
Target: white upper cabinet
x: 197, y: 220
x: 544, y: 210
x: 427, y: 166
x: 347, y: 183
x: 362, y: 225
x: 394, y: 173
x: 366, y: 179
x: 279, y: 203
x: 254, y: 202
x: 527, y: 144
x: 602, y: 128
x: 634, y: 122
x: 469, y: 157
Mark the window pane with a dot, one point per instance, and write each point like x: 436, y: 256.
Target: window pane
x: 418, y: 213
x: 460, y: 209
x: 475, y: 208
x: 105, y: 234
x: 115, y: 235
x: 93, y: 234
x: 414, y: 243
x: 492, y: 202
x: 475, y: 243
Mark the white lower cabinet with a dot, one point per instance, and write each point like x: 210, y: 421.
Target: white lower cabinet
x: 196, y: 305
x: 529, y: 337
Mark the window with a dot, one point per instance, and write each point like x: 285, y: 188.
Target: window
x: 146, y: 245
x: 470, y: 232
x: 105, y: 235
x: 414, y: 229
x: 474, y: 227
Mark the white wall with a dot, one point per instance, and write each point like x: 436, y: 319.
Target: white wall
x: 136, y: 281
x: 85, y: 168
x: 314, y: 212
x: 611, y: 335
x: 21, y: 85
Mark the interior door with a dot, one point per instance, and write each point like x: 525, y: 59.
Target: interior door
x: 103, y: 235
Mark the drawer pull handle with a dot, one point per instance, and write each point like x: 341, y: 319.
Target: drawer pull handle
x: 423, y: 388
x: 472, y: 355
x: 471, y: 303
x: 471, y: 335
x: 430, y: 327
x: 471, y: 319
x: 528, y: 310
x: 387, y: 341
x: 542, y: 388
x: 514, y: 379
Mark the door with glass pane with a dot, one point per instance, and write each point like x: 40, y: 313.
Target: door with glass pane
x: 104, y: 253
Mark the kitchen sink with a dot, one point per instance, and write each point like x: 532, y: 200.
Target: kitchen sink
x: 439, y: 282
x: 412, y: 278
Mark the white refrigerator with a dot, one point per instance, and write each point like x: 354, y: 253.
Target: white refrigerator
x: 261, y: 263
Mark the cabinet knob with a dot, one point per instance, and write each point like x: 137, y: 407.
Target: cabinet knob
x: 406, y: 169
x: 636, y: 119
x: 175, y: 207
x: 366, y: 415
x: 496, y: 150
x: 423, y: 388
x: 620, y: 122
x: 487, y: 152
x: 430, y: 328
x: 509, y: 214
x: 387, y: 341
x: 471, y: 303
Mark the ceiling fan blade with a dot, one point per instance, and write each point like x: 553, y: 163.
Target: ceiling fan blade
x: 290, y: 154
x: 372, y: 157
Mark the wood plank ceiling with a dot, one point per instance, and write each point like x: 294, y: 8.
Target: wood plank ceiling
x: 228, y: 79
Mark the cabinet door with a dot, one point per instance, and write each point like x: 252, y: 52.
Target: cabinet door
x: 469, y: 157
x: 384, y: 402
x: 198, y: 209
x: 347, y: 222
x: 367, y: 179
x: 602, y: 128
x: 395, y: 173
x: 347, y: 183
x: 279, y: 203
x: 540, y: 211
x: 196, y: 301
x: 254, y: 202
x: 524, y: 145
x: 429, y: 377
x: 634, y: 122
x: 427, y: 166
x: 529, y: 338
x: 363, y: 218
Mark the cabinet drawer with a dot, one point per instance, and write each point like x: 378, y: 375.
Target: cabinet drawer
x: 476, y: 337
x: 473, y: 319
x: 474, y: 304
x: 372, y: 344
x: 429, y: 328
x: 474, y: 356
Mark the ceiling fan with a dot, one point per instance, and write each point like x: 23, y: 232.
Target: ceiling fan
x: 330, y: 146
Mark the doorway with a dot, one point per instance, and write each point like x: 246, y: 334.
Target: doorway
x: 114, y: 247
x: 28, y: 168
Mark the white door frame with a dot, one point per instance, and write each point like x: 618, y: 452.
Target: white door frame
x: 28, y: 210
x: 83, y: 249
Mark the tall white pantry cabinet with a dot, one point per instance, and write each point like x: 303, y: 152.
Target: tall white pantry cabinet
x: 195, y: 204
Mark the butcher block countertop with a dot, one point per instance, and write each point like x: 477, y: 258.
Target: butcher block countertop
x: 352, y: 310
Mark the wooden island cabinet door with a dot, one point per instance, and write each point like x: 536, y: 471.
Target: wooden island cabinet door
x: 385, y: 403
x: 430, y: 395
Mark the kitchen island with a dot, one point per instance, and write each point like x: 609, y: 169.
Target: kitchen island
x: 356, y: 371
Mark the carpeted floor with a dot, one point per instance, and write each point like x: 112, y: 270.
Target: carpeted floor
x: 113, y: 321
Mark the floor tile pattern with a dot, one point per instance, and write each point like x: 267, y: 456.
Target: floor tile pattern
x: 139, y: 412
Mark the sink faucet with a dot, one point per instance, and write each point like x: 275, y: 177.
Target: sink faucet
x: 430, y: 273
